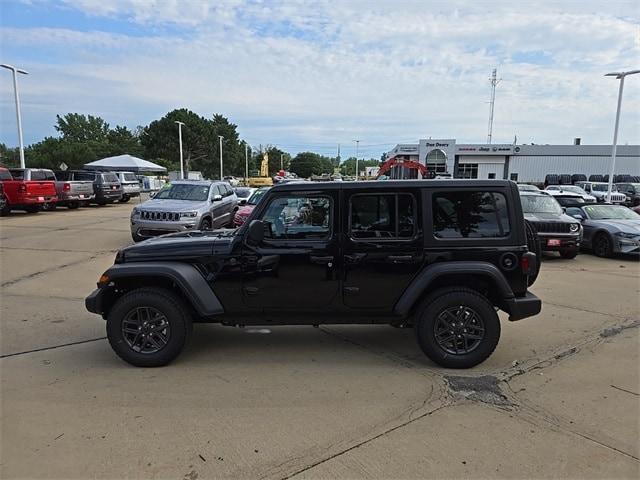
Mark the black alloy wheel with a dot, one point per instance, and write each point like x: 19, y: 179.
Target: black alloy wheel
x: 205, y: 224
x: 602, y: 245
x: 458, y: 330
x: 146, y: 330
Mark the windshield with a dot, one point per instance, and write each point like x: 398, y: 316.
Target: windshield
x: 571, y: 188
x: 109, y: 177
x: 528, y: 188
x: 539, y: 204
x: 602, y: 187
x: 610, y: 212
x: 181, y: 191
x: 243, y: 192
x: 257, y: 195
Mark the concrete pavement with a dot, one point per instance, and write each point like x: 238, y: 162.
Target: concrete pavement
x: 559, y: 397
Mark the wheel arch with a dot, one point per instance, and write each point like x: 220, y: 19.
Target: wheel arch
x: 181, y: 278
x: 482, y: 277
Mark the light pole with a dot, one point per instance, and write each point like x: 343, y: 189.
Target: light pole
x: 620, y: 76
x: 246, y: 164
x: 281, y: 162
x: 15, y: 72
x: 220, y: 137
x: 180, y: 124
x: 357, y: 147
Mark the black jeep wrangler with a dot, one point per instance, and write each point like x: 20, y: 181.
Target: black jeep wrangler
x: 441, y: 256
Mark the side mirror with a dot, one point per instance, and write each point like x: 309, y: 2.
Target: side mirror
x: 255, y: 233
x: 216, y: 198
x: 578, y: 217
x: 242, y: 202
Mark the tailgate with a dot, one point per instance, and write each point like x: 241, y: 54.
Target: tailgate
x: 41, y: 188
x: 81, y: 188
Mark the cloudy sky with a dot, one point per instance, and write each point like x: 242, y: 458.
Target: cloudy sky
x: 309, y: 75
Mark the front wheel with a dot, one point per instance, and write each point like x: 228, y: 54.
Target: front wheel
x: 569, y: 253
x: 148, y: 327
x: 125, y: 199
x: 602, y: 245
x: 32, y: 209
x: 73, y: 205
x: 457, y: 328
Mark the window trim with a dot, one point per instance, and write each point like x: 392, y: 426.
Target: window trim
x: 431, y: 194
x: 314, y: 194
x: 393, y: 239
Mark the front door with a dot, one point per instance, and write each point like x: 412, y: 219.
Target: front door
x: 383, y: 247
x: 294, y: 268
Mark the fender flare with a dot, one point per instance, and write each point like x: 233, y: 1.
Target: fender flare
x: 421, y: 283
x: 190, y: 281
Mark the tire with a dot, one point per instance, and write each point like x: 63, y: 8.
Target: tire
x: 73, y: 205
x: 569, y: 253
x: 101, y: 203
x: 149, y: 306
x: 6, y: 210
x: 436, y: 314
x: 124, y: 199
x: 534, y: 246
x: 205, y: 224
x: 601, y: 245
x: 49, y: 207
x: 137, y: 238
x: 32, y: 209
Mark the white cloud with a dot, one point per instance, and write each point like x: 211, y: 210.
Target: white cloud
x: 292, y: 72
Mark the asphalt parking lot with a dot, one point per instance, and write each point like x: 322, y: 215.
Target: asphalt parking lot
x: 558, y: 398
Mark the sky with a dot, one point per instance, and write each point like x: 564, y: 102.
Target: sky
x: 310, y: 75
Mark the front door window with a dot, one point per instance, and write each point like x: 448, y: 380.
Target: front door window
x: 298, y: 218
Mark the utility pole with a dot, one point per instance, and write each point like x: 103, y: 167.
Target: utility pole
x: 16, y: 94
x: 246, y: 163
x: 493, y: 81
x: 180, y: 124
x: 220, y: 137
x: 357, y: 149
x: 619, y: 76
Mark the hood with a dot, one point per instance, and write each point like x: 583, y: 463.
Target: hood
x: 168, y: 205
x: 192, y: 245
x: 549, y: 217
x: 245, y: 210
x: 628, y: 226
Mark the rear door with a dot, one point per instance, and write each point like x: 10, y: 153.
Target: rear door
x: 383, y: 247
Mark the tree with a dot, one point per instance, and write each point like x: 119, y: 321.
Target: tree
x: 80, y: 128
x: 306, y: 164
x: 51, y: 152
x: 274, y: 159
x: 232, y: 150
x: 348, y: 167
x: 9, y: 156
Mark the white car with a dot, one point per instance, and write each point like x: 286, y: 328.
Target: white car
x: 233, y: 181
x: 600, y: 190
x: 573, y: 189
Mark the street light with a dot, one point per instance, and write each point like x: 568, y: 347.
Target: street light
x: 246, y: 163
x: 281, y: 162
x: 15, y: 72
x: 180, y: 124
x: 620, y: 76
x: 357, y: 147
x: 220, y: 137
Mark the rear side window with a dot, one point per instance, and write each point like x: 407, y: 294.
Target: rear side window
x: 382, y: 216
x: 469, y: 214
x: 48, y: 175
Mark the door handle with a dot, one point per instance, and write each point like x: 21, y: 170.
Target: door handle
x: 355, y: 257
x: 321, y: 260
x: 400, y: 258
x: 251, y: 290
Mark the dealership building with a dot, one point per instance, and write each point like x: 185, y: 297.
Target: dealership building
x: 521, y: 163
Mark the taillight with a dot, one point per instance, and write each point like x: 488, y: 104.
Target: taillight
x: 66, y: 187
x: 527, y: 263
x: 22, y: 188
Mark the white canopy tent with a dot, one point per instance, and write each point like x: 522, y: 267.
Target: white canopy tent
x: 125, y: 163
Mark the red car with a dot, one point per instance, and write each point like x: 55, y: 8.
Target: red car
x: 28, y: 195
x: 245, y: 210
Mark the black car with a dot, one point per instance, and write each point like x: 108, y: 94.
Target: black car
x: 440, y: 257
x: 632, y: 191
x: 106, y: 186
x: 558, y: 232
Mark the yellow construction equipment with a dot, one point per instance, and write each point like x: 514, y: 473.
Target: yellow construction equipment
x: 264, y: 180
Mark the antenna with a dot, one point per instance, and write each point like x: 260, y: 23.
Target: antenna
x: 493, y: 81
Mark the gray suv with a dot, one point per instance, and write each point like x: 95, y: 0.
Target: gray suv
x: 184, y: 205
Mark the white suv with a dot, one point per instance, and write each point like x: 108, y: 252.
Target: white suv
x: 570, y: 189
x: 600, y: 189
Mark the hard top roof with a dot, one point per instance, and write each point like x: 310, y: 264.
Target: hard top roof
x: 398, y: 184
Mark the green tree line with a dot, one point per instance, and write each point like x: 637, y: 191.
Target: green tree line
x: 85, y: 138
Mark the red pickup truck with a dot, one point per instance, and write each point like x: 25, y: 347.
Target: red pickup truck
x: 25, y: 195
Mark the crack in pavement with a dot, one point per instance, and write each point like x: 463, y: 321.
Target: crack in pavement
x: 80, y: 342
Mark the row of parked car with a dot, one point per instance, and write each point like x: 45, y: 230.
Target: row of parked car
x: 568, y: 218
x: 35, y: 189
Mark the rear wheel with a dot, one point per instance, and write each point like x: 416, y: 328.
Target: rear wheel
x: 49, y: 207
x: 125, y: 199
x: 5, y: 210
x: 101, y: 203
x: 148, y: 327
x: 569, y: 253
x: 602, y: 246
x: 457, y: 328
x: 73, y: 205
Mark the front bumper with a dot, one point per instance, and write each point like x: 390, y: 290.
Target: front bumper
x: 555, y: 242
x: 148, y: 228
x: 522, y: 307
x: 93, y: 303
x: 629, y: 246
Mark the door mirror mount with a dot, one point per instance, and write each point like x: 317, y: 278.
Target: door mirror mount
x: 255, y: 232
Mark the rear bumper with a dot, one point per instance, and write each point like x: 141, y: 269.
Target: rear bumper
x: 522, y: 307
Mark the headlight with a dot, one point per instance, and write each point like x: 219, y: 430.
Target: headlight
x: 626, y: 235
x: 574, y: 227
x: 188, y: 214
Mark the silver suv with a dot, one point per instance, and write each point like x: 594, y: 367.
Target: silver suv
x: 184, y: 205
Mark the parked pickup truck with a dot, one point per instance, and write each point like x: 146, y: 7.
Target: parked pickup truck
x: 71, y: 193
x: 29, y: 195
